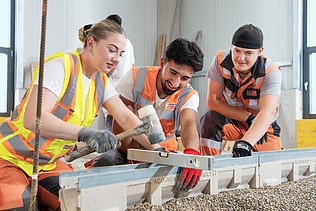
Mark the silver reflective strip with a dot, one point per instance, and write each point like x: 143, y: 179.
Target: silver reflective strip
x: 43, y: 159
x: 253, y: 104
x: 229, y: 100
x: 60, y: 112
x: 268, y: 63
x: 41, y: 141
x: 139, y: 85
x: 142, y: 101
x: 26, y: 197
x: 99, y: 86
x: 15, y: 113
x: 227, y: 72
x: 5, y: 129
x: 210, y: 143
x: 69, y: 94
x: 167, y: 114
x: 180, y: 102
x: 257, y: 81
x: 71, y: 88
x: 170, y: 136
x: 240, y: 104
x: 18, y: 145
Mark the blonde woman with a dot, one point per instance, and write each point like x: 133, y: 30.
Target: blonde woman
x: 75, y: 88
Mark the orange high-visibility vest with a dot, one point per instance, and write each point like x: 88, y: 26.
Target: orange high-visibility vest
x: 144, y: 93
x: 246, y: 95
x: 17, y: 142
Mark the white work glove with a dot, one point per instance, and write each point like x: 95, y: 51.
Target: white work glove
x: 99, y: 140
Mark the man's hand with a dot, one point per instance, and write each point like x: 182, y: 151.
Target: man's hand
x: 99, y: 140
x: 189, y: 177
x: 249, y: 121
x: 242, y: 148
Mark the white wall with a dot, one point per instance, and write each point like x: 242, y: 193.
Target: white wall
x: 218, y: 20
x: 64, y: 18
x: 279, y: 20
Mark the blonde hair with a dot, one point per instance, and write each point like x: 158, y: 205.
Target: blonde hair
x: 99, y: 30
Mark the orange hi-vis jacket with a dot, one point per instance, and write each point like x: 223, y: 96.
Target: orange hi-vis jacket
x: 245, y: 94
x: 145, y: 92
x: 17, y: 142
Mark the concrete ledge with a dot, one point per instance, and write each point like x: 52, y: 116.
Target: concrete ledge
x: 119, y: 187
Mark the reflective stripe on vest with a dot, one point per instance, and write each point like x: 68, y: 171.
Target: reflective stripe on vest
x: 99, y: 86
x: 166, y: 114
x: 210, y: 143
x: 17, y: 143
x: 138, y: 89
x: 69, y: 94
x: 237, y: 98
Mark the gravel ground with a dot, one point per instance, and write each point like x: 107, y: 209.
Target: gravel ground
x: 296, y: 195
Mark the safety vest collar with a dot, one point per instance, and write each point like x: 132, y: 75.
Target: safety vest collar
x: 227, y: 62
x: 145, y: 93
x: 257, y: 70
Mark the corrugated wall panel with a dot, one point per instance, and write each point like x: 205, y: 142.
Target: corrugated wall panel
x: 139, y: 21
x: 55, y: 32
x: 66, y: 17
x: 218, y: 20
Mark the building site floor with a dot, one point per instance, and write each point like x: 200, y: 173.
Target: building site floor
x: 293, y: 195
x: 289, y: 195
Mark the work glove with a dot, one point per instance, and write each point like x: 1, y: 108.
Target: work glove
x: 110, y: 158
x: 249, y: 121
x: 242, y: 148
x: 188, y: 177
x: 99, y: 140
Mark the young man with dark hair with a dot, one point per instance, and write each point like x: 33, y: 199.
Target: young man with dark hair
x: 176, y: 102
x: 243, y: 97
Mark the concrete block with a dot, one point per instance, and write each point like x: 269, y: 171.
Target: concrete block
x: 68, y: 199
x: 285, y: 165
x: 119, y: 187
x: 110, y: 197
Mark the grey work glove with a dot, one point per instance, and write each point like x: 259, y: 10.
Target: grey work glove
x: 99, y: 140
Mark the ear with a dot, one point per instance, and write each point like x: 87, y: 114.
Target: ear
x: 90, y: 42
x: 162, y: 62
x: 260, y: 50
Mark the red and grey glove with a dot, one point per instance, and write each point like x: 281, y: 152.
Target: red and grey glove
x: 189, y: 177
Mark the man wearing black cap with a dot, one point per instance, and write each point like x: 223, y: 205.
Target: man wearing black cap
x: 243, y: 96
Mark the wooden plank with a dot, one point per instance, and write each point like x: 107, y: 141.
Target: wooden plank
x: 306, y: 133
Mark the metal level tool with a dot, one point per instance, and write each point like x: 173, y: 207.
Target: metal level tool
x: 169, y: 158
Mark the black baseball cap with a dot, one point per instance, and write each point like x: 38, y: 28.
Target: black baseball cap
x: 248, y: 36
